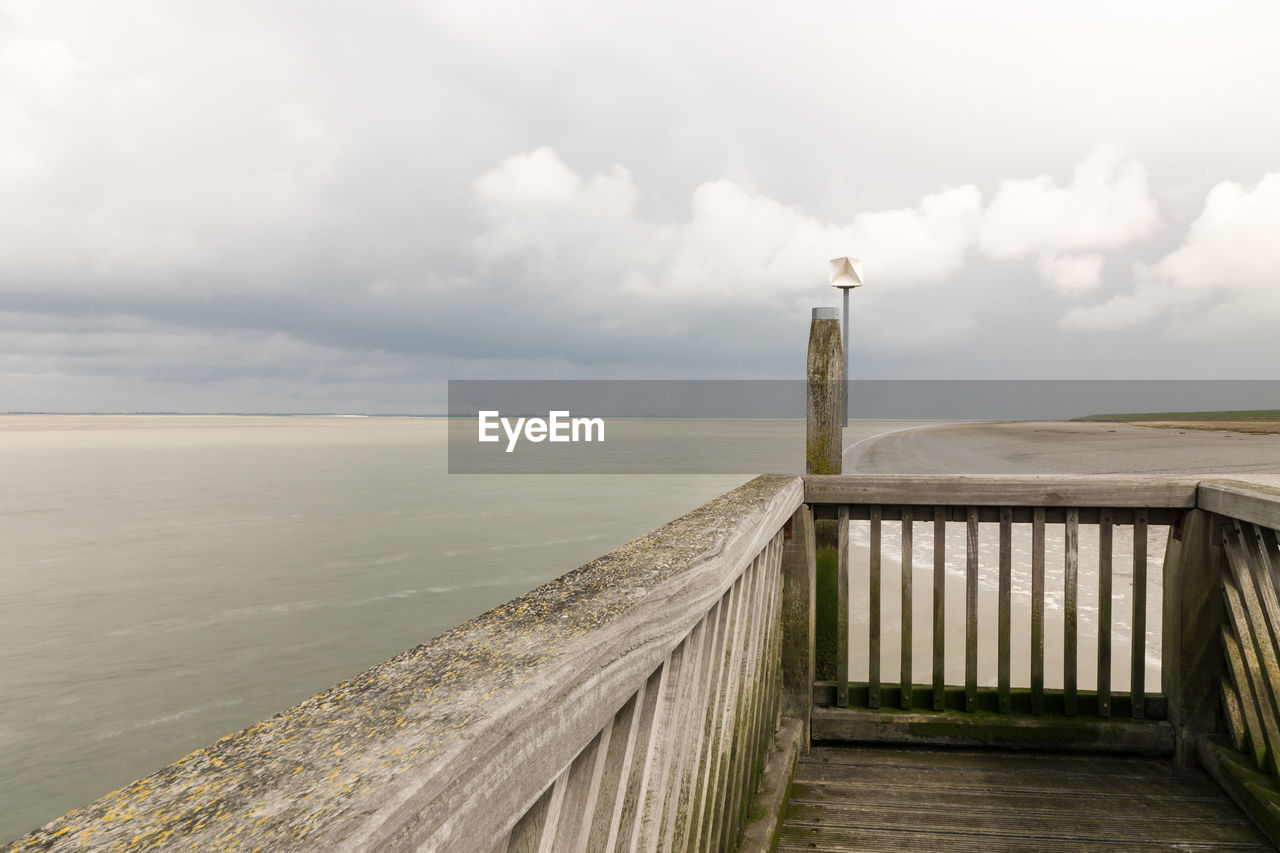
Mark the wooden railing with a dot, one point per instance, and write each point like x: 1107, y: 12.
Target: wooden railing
x: 675, y: 767
x: 1240, y: 529
x: 1052, y: 511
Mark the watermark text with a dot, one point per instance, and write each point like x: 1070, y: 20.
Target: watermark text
x: 556, y: 427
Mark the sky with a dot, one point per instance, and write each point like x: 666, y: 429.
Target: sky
x: 318, y: 206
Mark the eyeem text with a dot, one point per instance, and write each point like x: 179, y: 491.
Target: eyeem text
x: 558, y: 426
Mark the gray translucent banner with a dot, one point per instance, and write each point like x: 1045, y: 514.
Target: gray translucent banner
x: 736, y: 426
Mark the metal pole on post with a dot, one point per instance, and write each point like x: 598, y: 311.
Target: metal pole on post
x: 846, y: 274
x: 844, y: 328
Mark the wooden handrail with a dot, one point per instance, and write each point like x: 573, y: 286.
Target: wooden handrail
x: 1022, y: 491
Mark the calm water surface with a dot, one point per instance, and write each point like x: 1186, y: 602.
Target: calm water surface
x: 167, y: 580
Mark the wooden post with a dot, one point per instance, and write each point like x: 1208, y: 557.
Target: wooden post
x: 798, y: 588
x: 1191, y: 662
x: 824, y: 442
x: 823, y: 452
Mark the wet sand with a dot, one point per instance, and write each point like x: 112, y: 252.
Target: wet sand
x: 1065, y: 448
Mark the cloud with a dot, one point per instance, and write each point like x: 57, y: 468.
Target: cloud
x: 1225, y: 275
x: 735, y: 243
x: 1071, y: 273
x: 112, y: 173
x: 1106, y: 205
x: 536, y: 204
x: 1232, y: 244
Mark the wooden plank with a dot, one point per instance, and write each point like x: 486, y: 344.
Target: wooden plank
x: 905, y: 618
x: 1256, y: 739
x: 1021, y: 514
x: 824, y: 693
x: 1037, y: 611
x: 775, y: 689
x: 769, y: 805
x: 1250, y: 502
x: 714, y: 814
x: 968, y: 490
x: 1021, y: 829
x: 613, y: 788
x: 1266, y: 676
x: 1004, y: 633
x: 932, y: 728
x: 873, y: 615
x: 551, y: 823
x: 648, y: 828
x: 841, y: 825
x: 771, y: 690
x: 1253, y: 678
x: 971, y: 612
x: 969, y: 770
x: 581, y: 793
x: 1233, y: 713
x: 799, y: 590
x: 1253, y: 791
x: 1071, y: 626
x: 939, y: 607
x: 1191, y: 665
x: 979, y: 801
x: 842, y: 611
x: 1262, y: 571
x: 817, y: 839
x: 617, y: 748
x: 1104, y: 614
x: 1245, y: 562
x: 1067, y: 765
x: 1138, y: 619
x: 705, y: 752
x: 1270, y: 551
x: 631, y: 793
x: 527, y: 833
x: 742, y: 736
x: 690, y: 710
x: 752, y: 740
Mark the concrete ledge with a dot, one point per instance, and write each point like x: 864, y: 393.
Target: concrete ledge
x: 958, y: 728
x: 769, y: 805
x: 447, y: 745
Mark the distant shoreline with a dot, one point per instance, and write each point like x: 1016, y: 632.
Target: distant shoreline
x: 1252, y: 421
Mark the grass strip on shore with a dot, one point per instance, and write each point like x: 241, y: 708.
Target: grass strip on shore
x: 1255, y: 421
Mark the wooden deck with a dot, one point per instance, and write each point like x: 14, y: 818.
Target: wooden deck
x: 881, y: 798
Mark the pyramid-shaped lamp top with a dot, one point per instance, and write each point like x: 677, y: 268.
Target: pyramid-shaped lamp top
x: 846, y: 272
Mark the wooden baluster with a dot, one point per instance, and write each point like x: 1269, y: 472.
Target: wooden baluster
x: 1004, y: 640
x: 1104, y: 612
x: 873, y: 614
x: 842, y: 612
x: 1138, y: 639
x: 939, y: 607
x: 1037, y: 610
x: 905, y: 620
x: 1072, y: 547
x: 971, y: 612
